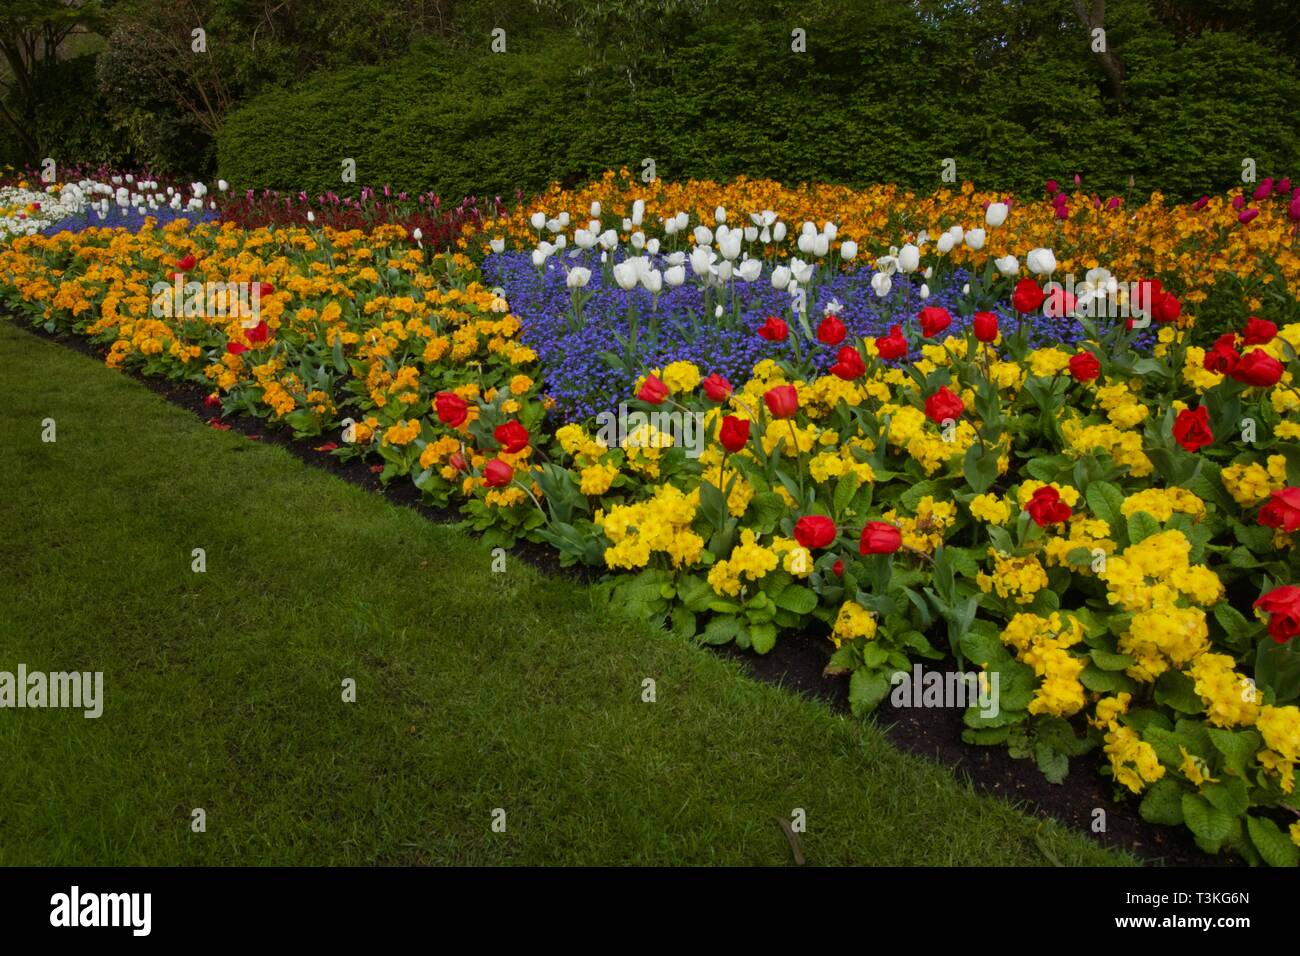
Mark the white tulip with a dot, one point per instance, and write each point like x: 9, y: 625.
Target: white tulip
x: 724, y: 271
x: 625, y: 274
x: 417, y: 235
x: 674, y: 276
x: 609, y: 239
x: 909, y: 258
x: 830, y: 230
x: 564, y: 220
x: 538, y: 220
x: 925, y: 291
x: 595, y: 209
x: 1041, y: 262
x: 554, y: 225
x: 1007, y: 265
x: 703, y: 235
x: 808, y: 228
x: 996, y: 214
x: 676, y: 258
x: 780, y: 277
x: 975, y: 239
x: 497, y: 245
x: 638, y: 240
x: 750, y: 269
x: 311, y: 217
x: 653, y: 281
x: 965, y: 289
x: 802, y: 271
x: 638, y: 212
x: 222, y: 185
x: 929, y: 272
x: 670, y: 227
x: 578, y: 277
x: 561, y: 241
x: 945, y: 243
x: 778, y: 232
x: 652, y: 247
x: 730, y: 245
x: 701, y: 258
x: 881, y: 284
x: 751, y: 233
x: 683, y: 220
x: 848, y: 250
x: 583, y: 239
x: 821, y: 245
x: 719, y: 215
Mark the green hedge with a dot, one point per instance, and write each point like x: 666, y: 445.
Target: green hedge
x: 880, y: 100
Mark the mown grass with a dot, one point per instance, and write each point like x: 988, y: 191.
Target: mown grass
x: 475, y: 690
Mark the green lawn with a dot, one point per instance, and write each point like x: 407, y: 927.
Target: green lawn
x: 474, y: 690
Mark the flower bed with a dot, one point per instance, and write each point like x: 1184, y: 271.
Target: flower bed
x: 1097, y: 530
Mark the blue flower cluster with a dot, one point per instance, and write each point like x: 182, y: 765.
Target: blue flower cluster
x: 131, y: 219
x: 583, y: 382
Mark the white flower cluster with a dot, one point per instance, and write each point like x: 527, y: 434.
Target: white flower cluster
x: 25, y: 212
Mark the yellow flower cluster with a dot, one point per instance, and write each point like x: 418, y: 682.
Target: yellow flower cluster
x: 661, y: 524
x: 749, y: 561
x: 853, y: 621
x: 924, y: 531
x: 1229, y: 697
x: 1011, y: 577
x: 1042, y: 642
x: 1280, y: 728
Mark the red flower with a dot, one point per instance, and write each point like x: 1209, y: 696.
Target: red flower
x: 848, y: 364
x: 1144, y: 297
x: 831, y: 331
x: 1084, y: 366
x: 235, y: 348
x: 1165, y: 307
x: 497, y: 473
x: 327, y: 447
x: 265, y: 289
x: 1046, y: 507
x: 893, y: 345
x: 1283, y: 608
x: 451, y: 408
x: 258, y: 333
x: 1247, y: 215
x: 838, y: 568
x: 774, y: 329
x: 187, y: 263
x: 1051, y: 186
x: 782, y: 401
x: 815, y: 531
x: 457, y: 461
x: 734, y: 433
x: 212, y: 401
x: 934, y: 320
x: 512, y: 436
x: 214, y: 423
x: 944, y: 405
x: 653, y: 390
x: 1258, y: 331
x: 717, y: 388
x: 1060, y: 303
x: 1222, y: 357
x: 879, y: 537
x: 1258, y: 368
x: 985, y: 326
x: 1192, y: 428
x: 1027, y: 296
x: 1282, y: 510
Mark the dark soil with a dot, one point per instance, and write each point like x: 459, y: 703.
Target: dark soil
x: 797, y: 663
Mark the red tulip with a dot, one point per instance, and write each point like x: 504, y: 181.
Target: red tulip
x: 816, y: 531
x: 717, y: 388
x: 831, y: 331
x: 1192, y: 429
x: 985, y: 326
x: 934, y: 320
x: 1283, y: 607
x: 451, y: 408
x: 1028, y: 296
x: 512, y: 436
x: 1247, y: 215
x: 774, y: 329
x: 235, y: 348
x: 1222, y: 357
x: 497, y: 473
x: 1282, y: 510
x: 734, y: 433
x: 187, y: 263
x: 893, y: 345
x: 653, y: 390
x: 879, y: 537
x: 782, y: 401
x: 1258, y: 368
x: 1258, y: 331
x: 848, y: 364
x: 1046, y: 507
x: 1084, y: 366
x: 944, y: 405
x: 258, y: 333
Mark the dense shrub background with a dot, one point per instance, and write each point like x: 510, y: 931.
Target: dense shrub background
x: 880, y: 95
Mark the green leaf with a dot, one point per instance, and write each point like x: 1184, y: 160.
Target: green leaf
x: 1105, y: 501
x: 1163, y: 803
x: 1212, y: 826
x: 797, y: 598
x: 1141, y: 526
x: 1273, y: 845
x: 1238, y: 748
x: 762, y: 637
x: 1053, y: 764
x: 722, y: 630
x: 1228, y: 795
x: 1177, y: 690
x: 845, y: 489
x: 866, y: 690
x: 1109, y: 660
x: 1106, y: 682
x: 683, y: 622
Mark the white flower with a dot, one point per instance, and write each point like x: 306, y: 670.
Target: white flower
x: 653, y: 281
x: 778, y: 232
x: 881, y: 284
x: 729, y: 245
x: 674, y: 276
x: 833, y: 307
x: 625, y: 274
x: 780, y: 278
x: 311, y: 216
x: 848, y: 250
x: 750, y: 269
x: 222, y: 185
x: 595, y: 209
x: 578, y: 277
x: 638, y: 212
x: 945, y: 243
x: 1041, y: 262
x: 975, y: 239
x: 703, y: 235
x: 719, y: 215
x: 701, y: 258
x: 1008, y: 265
x: 909, y: 258
x: 417, y: 235
x: 538, y: 220
x: 497, y: 245
x: 996, y: 214
x: 925, y: 291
